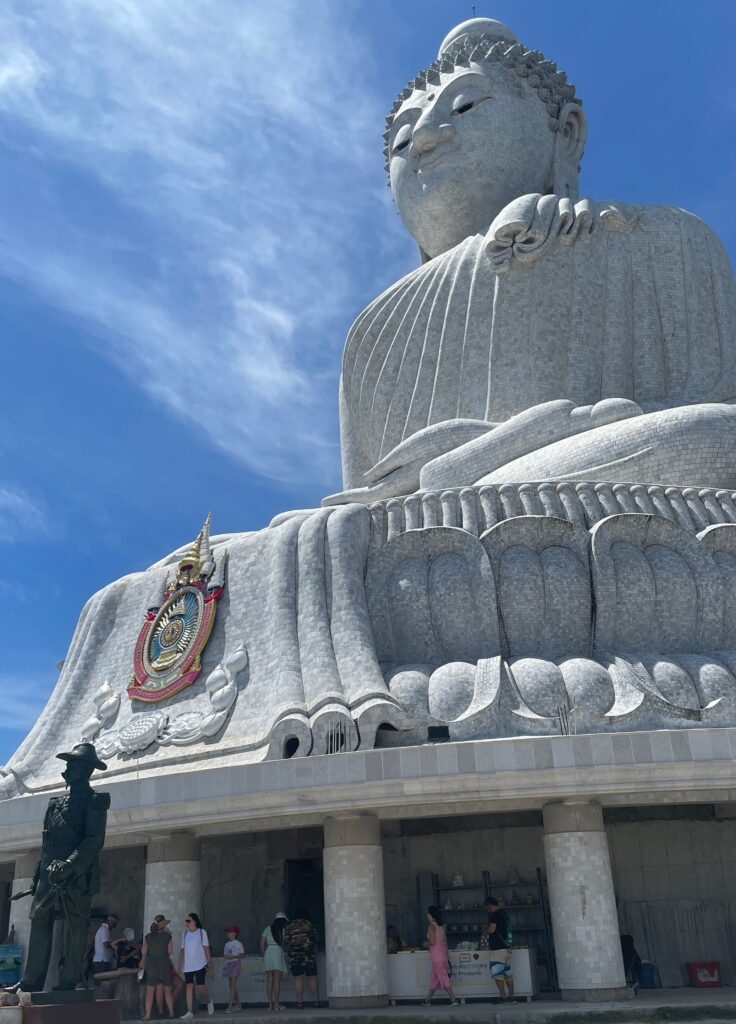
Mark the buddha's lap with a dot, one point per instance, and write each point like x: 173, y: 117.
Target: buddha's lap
x: 688, y: 445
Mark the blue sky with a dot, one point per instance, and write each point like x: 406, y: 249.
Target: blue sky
x: 193, y: 210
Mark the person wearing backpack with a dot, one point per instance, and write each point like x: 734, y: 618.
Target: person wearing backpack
x: 497, y: 930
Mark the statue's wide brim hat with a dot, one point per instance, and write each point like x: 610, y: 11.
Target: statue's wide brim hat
x: 86, y: 753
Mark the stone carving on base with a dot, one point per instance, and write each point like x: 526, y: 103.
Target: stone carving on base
x: 107, y: 704
x: 537, y: 526
x: 206, y: 718
x: 169, y: 647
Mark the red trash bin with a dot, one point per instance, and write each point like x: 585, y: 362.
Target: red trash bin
x: 704, y: 973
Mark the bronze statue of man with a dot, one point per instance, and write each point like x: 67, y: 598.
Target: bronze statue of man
x: 67, y: 874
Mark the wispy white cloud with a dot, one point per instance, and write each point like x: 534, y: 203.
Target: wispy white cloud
x: 21, y: 515
x: 223, y: 136
x: 22, y: 699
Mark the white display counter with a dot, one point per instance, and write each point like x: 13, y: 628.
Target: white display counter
x: 408, y: 977
x: 409, y: 973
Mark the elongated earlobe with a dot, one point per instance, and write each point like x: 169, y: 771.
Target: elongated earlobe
x: 568, y: 152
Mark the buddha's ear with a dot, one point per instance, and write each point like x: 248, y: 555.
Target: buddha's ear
x: 569, y: 145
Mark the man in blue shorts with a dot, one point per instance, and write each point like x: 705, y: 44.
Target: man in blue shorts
x: 497, y: 931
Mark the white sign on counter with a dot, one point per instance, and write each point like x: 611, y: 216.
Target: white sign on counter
x: 409, y: 974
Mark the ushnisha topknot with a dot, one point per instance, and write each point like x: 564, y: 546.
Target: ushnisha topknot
x: 485, y: 40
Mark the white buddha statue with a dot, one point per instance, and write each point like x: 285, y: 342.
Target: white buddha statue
x: 544, y: 336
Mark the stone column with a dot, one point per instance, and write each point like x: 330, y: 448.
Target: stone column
x: 582, y: 903
x: 25, y: 865
x: 355, y: 913
x: 173, y: 886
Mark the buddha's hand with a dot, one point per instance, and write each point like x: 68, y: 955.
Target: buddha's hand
x: 398, y: 472
x: 528, y: 431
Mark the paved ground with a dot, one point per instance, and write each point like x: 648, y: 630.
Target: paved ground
x: 684, y: 1005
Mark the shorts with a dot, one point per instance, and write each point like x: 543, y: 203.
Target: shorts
x: 500, y: 966
x: 195, y: 977
x: 231, y: 969
x: 302, y: 964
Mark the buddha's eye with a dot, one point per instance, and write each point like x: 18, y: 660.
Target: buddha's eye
x: 402, y: 140
x: 462, y: 106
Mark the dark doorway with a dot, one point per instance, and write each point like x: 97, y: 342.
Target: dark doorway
x: 4, y: 909
x: 304, y: 888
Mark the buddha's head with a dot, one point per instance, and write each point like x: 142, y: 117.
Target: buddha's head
x: 487, y: 122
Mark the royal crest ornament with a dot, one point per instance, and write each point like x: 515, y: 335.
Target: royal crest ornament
x: 169, y: 647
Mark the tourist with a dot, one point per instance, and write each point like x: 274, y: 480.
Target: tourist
x: 233, y: 953
x: 394, y: 942
x: 632, y: 962
x: 156, y: 967
x: 104, y: 954
x: 300, y: 941
x: 194, y: 962
x: 127, y: 951
x: 436, y: 943
x: 497, y: 931
x: 274, y: 959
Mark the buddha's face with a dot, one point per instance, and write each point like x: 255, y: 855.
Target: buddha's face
x: 462, y: 150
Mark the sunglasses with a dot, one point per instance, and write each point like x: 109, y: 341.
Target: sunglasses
x: 187, y: 920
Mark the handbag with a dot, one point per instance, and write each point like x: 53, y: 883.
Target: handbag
x: 483, y: 942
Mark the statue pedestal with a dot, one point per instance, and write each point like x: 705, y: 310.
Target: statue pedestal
x: 76, y: 995
x: 102, y: 1011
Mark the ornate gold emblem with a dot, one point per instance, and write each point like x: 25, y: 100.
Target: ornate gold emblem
x: 168, y: 651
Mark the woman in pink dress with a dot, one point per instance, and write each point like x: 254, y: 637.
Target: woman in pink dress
x: 436, y: 943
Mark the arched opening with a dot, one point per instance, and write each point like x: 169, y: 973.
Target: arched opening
x: 386, y: 735
x: 291, y: 745
x: 336, y: 739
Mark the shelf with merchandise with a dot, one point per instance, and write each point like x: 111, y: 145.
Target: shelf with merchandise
x: 461, y: 888
x: 517, y: 885
x: 474, y: 911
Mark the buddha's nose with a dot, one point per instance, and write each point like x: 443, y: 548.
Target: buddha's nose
x: 428, y: 134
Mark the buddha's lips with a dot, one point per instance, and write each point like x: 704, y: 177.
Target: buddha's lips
x: 429, y: 161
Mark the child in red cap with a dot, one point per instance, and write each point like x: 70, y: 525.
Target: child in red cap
x: 234, y: 953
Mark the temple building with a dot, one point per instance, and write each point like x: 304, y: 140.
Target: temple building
x: 502, y: 659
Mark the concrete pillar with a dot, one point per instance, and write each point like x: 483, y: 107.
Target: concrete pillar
x: 173, y: 883
x: 582, y: 903
x: 355, y: 913
x: 25, y: 865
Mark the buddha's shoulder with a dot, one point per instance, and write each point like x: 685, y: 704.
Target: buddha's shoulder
x: 538, y: 228
x: 652, y: 217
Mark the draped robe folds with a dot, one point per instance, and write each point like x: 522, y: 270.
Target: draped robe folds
x: 294, y: 598
x: 555, y: 301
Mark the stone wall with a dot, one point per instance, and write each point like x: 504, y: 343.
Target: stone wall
x: 676, y: 887
x: 243, y: 880
x: 122, y: 884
